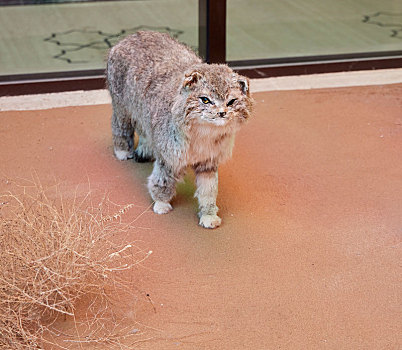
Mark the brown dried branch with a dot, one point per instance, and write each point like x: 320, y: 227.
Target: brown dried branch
x: 52, y: 253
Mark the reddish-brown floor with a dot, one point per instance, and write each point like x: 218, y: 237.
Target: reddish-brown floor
x: 309, y: 253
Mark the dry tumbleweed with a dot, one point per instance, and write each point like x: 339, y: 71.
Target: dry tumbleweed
x: 52, y: 253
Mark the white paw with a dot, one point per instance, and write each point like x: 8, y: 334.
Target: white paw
x: 210, y: 221
x: 162, y: 207
x: 123, y: 155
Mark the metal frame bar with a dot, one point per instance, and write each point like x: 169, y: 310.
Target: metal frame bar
x: 38, y: 83
x: 318, y: 64
x: 49, y: 2
x: 212, y: 30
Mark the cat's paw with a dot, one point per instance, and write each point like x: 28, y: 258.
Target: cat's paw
x: 162, y: 207
x: 210, y: 221
x: 123, y: 155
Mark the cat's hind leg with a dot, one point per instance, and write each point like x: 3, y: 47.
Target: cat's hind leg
x: 143, y: 152
x: 162, y: 187
x: 123, y: 133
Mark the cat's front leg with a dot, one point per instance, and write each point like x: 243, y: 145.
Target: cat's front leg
x: 162, y: 187
x: 207, y: 191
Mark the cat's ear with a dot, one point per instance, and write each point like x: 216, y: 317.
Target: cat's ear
x: 191, y: 78
x: 244, y: 85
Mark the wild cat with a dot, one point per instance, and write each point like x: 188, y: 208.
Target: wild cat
x: 185, y: 112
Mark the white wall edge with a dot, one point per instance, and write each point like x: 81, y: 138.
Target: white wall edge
x: 301, y: 82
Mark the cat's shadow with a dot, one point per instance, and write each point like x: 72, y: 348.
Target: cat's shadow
x: 185, y: 190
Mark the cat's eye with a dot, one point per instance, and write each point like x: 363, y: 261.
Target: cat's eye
x: 231, y: 102
x: 205, y: 100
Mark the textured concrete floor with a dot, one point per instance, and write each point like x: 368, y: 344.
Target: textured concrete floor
x: 309, y: 253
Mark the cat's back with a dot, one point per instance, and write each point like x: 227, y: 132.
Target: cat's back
x: 147, y: 51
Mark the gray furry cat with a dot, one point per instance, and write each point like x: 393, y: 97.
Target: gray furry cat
x: 185, y: 112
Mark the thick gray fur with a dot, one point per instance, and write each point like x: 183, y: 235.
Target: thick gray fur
x: 185, y: 112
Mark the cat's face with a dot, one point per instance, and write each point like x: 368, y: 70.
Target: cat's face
x: 217, y: 96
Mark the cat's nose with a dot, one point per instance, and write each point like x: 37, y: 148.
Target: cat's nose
x: 222, y: 114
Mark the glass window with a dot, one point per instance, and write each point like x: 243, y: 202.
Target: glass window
x: 70, y: 36
x: 262, y: 29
